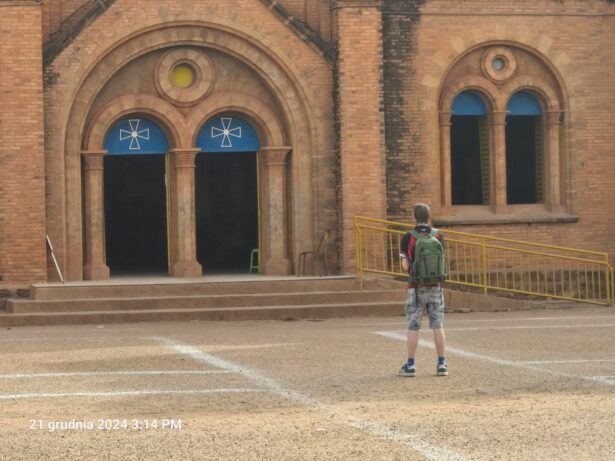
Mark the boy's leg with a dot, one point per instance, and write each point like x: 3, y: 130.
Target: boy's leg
x: 440, y: 340
x: 413, y: 342
x: 414, y: 314
x: 436, y: 318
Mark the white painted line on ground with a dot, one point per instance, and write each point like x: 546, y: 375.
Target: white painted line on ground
x: 503, y: 319
x: 539, y: 362
x: 111, y: 373
x: 75, y: 338
x: 501, y: 362
x: 43, y: 395
x: 535, y: 327
x: 414, y: 441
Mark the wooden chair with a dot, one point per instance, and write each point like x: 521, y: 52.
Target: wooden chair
x: 320, y: 256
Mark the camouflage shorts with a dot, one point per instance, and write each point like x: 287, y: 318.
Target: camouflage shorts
x: 431, y: 298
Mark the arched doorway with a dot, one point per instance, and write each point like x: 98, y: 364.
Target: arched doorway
x: 135, y: 197
x: 227, y: 194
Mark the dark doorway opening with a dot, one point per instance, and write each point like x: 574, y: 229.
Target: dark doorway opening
x: 469, y: 160
x: 136, y: 214
x: 226, y: 210
x: 522, y: 162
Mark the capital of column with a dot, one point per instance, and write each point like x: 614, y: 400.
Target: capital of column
x: 183, y: 158
x: 498, y: 118
x: 337, y: 4
x: 445, y: 118
x: 93, y: 159
x: 274, y: 155
x: 554, y: 117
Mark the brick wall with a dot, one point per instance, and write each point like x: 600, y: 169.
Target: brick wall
x: 423, y: 42
x: 22, y: 175
x: 360, y: 117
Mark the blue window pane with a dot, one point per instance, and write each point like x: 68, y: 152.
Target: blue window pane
x: 468, y: 103
x: 136, y: 136
x: 523, y: 103
x: 227, y: 134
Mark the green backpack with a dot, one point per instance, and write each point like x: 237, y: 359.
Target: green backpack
x: 429, y: 265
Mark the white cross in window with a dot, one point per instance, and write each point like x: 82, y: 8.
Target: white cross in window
x: 226, y: 132
x: 134, y: 134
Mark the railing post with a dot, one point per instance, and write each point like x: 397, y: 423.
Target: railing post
x: 357, y: 250
x: 485, y: 288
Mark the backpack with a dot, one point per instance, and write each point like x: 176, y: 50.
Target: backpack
x: 429, y: 264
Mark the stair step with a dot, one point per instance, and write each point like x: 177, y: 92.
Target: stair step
x: 23, y: 306
x: 199, y: 287
x: 309, y: 311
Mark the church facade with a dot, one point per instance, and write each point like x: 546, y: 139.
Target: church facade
x: 177, y: 138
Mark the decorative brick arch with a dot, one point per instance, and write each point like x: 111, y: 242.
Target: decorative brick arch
x: 547, y: 95
x: 484, y: 87
x: 264, y: 121
x: 467, y: 71
x: 171, y: 120
x: 298, y: 128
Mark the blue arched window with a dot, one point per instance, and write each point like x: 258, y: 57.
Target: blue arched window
x: 136, y: 135
x: 227, y: 133
x: 523, y: 103
x: 469, y: 150
x: 468, y: 103
x: 524, y: 149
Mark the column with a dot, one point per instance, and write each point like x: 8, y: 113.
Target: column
x: 552, y: 162
x: 95, y: 267
x: 445, y: 164
x: 360, y: 117
x: 274, y: 226
x: 182, y: 225
x: 498, y: 168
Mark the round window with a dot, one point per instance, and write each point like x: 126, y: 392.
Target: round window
x: 183, y: 75
x: 498, y: 64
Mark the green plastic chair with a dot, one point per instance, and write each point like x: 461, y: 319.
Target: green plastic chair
x: 254, y: 261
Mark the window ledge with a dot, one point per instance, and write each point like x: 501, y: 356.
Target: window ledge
x: 518, y: 214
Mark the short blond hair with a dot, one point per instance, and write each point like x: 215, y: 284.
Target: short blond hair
x: 422, y: 213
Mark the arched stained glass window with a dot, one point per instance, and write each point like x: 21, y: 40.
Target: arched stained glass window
x: 136, y: 135
x: 227, y: 133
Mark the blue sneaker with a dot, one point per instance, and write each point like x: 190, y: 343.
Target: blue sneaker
x: 407, y: 370
x: 442, y: 369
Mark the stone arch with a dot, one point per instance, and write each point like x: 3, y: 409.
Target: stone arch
x: 267, y: 125
x: 457, y: 56
x: 170, y: 119
x: 482, y: 86
x: 290, y: 95
x: 545, y: 94
x: 527, y: 69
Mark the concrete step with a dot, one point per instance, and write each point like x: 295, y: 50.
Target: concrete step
x: 310, y: 311
x: 24, y: 306
x: 191, y: 287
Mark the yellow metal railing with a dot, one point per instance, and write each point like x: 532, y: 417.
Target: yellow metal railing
x: 494, y: 263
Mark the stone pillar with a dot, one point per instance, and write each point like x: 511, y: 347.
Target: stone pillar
x: 552, y: 162
x: 360, y: 117
x: 445, y: 164
x: 274, y: 225
x: 95, y: 266
x: 182, y: 225
x: 498, y: 167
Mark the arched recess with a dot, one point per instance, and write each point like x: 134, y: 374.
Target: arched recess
x: 496, y: 71
x: 299, y: 132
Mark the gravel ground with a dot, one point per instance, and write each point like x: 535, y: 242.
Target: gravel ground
x: 523, y: 385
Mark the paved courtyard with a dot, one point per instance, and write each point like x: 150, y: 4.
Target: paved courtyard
x: 523, y: 385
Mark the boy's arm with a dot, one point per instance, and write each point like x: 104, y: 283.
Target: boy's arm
x: 403, y: 252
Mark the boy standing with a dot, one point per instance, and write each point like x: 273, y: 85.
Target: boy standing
x: 427, y: 269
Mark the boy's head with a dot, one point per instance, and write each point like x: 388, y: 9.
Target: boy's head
x: 422, y: 213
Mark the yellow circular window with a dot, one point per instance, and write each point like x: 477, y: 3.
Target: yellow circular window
x: 183, y: 76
